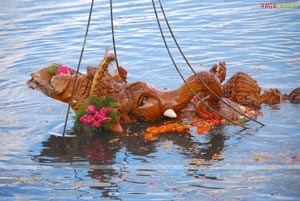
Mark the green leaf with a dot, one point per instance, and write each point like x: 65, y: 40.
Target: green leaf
x: 52, y: 70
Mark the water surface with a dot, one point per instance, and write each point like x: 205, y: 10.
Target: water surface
x: 37, y: 163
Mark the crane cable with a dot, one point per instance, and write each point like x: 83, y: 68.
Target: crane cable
x: 187, y: 62
x: 114, y: 43
x: 78, y: 67
x: 202, y: 82
x: 180, y: 74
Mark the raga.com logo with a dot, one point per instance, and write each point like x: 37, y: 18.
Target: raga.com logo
x: 278, y: 5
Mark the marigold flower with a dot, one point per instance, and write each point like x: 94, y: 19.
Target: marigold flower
x: 151, y: 132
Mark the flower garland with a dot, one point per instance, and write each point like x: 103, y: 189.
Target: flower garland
x: 153, y: 131
x: 205, y: 125
x: 201, y: 124
x: 97, y: 114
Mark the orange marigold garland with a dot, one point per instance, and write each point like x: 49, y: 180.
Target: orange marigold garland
x: 201, y: 124
x: 205, y: 125
x: 153, y: 131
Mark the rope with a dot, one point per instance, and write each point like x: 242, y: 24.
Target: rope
x: 202, y: 82
x: 78, y: 67
x: 180, y: 74
x: 114, y: 43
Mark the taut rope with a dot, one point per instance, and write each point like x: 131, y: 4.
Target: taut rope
x: 114, y: 43
x: 180, y: 74
x: 78, y: 67
x: 187, y: 62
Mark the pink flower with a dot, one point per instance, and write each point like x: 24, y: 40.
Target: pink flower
x: 90, y: 119
x: 83, y: 119
x: 63, y: 70
x: 91, y: 109
x: 106, y: 120
x: 105, y: 110
x: 95, y: 118
x: 99, y: 115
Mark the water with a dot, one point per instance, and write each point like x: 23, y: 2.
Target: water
x: 224, y: 164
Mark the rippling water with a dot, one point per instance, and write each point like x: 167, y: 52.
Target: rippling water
x: 38, y: 164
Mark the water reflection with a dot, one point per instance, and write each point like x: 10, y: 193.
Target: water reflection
x: 99, y: 154
x: 100, y: 149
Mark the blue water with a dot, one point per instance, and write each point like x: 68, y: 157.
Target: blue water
x: 37, y: 163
